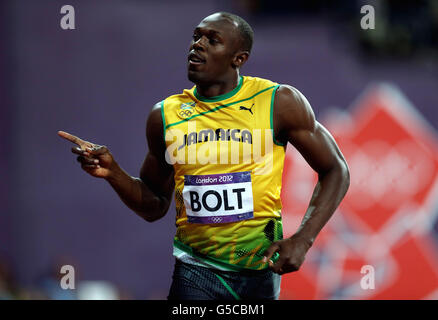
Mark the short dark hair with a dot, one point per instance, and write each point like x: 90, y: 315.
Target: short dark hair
x: 245, y: 30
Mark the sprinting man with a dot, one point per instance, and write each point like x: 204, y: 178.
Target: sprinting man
x: 220, y: 147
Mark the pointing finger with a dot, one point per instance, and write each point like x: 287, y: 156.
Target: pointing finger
x: 71, y: 138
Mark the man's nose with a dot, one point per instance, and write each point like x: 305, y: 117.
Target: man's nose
x: 198, y: 44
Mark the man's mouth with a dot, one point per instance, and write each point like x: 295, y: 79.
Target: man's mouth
x: 195, y: 58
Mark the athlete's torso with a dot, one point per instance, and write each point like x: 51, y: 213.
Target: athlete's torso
x: 228, y: 173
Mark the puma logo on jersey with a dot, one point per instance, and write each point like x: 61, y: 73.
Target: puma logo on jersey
x: 245, y: 108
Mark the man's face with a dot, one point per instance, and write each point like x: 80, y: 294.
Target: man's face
x: 214, y: 44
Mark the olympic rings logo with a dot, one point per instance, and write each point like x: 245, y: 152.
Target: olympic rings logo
x: 186, y: 110
x: 185, y: 113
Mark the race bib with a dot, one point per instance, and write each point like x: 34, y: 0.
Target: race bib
x: 218, y: 198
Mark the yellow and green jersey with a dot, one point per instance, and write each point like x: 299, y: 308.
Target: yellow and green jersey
x: 228, y: 173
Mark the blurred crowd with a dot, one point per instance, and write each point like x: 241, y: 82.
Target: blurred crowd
x: 404, y: 28
x: 48, y: 287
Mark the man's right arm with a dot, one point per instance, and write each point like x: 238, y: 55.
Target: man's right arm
x: 150, y: 195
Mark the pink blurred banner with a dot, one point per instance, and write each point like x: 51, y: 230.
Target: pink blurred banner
x: 388, y: 220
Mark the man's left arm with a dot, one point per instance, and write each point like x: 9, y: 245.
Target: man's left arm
x: 294, y: 122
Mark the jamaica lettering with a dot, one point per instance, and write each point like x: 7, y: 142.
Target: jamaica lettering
x: 219, y: 134
x: 220, y: 146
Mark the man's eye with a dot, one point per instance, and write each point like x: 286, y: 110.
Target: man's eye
x: 213, y: 41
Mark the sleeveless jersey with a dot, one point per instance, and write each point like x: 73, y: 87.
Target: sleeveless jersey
x: 228, y: 173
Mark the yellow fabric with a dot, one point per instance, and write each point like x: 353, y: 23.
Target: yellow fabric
x: 247, y: 112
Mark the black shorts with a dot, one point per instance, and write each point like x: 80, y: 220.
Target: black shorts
x: 192, y: 282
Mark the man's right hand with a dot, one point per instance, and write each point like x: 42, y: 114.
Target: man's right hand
x: 150, y: 195
x: 94, y: 159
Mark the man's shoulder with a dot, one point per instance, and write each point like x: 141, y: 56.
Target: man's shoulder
x: 186, y: 96
x: 259, y: 82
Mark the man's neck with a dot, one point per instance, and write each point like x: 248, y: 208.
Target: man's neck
x: 219, y: 88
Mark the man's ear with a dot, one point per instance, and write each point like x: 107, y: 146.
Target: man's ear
x: 240, y: 58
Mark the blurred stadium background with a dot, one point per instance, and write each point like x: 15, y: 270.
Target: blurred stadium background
x: 376, y: 90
